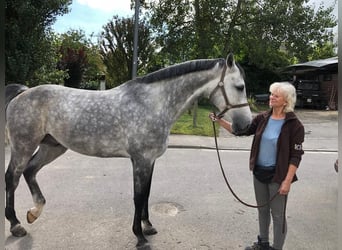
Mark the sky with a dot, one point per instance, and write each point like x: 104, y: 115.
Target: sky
x: 92, y: 15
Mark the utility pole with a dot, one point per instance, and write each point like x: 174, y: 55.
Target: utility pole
x: 135, y: 42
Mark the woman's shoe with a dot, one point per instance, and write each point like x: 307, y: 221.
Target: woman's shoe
x: 259, y: 245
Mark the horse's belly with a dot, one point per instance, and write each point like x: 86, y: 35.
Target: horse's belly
x: 100, y: 151
x: 95, y: 146
x: 107, y: 152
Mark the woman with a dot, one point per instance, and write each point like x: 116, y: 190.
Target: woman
x: 275, y: 156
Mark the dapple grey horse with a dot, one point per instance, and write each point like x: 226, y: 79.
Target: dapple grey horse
x: 132, y: 120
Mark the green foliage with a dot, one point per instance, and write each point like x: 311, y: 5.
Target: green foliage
x: 252, y: 104
x: 27, y: 42
x: 184, y: 125
x: 265, y: 36
x: 47, y: 76
x: 95, y: 65
x: 117, y: 49
x: 80, y: 58
x: 48, y: 72
x: 256, y: 107
x: 258, y: 80
x: 322, y: 52
x: 192, y: 29
x: 276, y: 27
x: 90, y: 84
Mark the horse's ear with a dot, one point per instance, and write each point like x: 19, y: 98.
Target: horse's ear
x: 230, y: 60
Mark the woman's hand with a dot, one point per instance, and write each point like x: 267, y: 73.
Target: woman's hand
x: 222, y: 122
x: 285, y: 187
x: 213, y: 117
x: 286, y: 184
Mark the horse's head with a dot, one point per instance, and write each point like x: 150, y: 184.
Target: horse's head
x: 229, y: 96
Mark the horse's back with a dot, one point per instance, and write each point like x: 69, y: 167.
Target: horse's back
x: 96, y: 123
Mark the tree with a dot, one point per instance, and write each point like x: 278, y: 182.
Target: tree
x: 73, y: 57
x: 264, y: 35
x: 117, y: 49
x: 27, y: 41
x: 192, y: 29
x: 74, y: 61
x: 48, y: 73
x: 277, y: 27
x: 325, y: 51
x: 81, y: 59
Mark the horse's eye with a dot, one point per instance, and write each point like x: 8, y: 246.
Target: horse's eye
x: 240, y: 87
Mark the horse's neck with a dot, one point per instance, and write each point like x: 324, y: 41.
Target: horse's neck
x: 167, y: 99
x: 181, y: 92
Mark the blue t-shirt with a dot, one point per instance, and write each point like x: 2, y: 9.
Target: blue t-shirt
x: 268, y: 146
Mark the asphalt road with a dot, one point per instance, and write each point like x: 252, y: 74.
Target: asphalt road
x: 90, y: 202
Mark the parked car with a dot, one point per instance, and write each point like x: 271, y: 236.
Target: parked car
x: 309, y: 94
x: 261, y: 98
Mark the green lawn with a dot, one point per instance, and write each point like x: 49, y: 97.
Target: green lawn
x: 184, y: 124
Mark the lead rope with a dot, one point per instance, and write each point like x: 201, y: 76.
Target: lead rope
x: 226, y: 180
x: 235, y: 195
x: 284, y: 215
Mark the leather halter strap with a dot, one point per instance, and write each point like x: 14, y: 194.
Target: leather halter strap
x: 220, y: 86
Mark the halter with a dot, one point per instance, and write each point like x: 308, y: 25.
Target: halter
x: 220, y: 86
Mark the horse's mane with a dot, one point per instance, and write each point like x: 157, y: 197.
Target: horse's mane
x: 180, y: 69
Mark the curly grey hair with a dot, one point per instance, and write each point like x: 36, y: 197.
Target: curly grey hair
x: 289, y: 93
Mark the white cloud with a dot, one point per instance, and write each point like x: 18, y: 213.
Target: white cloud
x: 107, y: 5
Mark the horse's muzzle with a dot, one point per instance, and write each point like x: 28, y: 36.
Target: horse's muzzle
x: 241, y: 132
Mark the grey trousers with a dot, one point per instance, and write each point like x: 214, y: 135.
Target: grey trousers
x: 263, y: 193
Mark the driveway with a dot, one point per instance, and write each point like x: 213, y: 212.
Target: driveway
x: 90, y: 200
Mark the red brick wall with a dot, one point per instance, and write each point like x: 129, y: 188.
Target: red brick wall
x: 330, y: 90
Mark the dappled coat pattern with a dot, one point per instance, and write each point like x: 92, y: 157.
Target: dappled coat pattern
x: 132, y: 120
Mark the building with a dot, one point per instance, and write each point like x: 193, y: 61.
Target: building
x: 324, y: 71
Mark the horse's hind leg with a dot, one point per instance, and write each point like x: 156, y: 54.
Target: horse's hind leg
x: 15, y: 168
x: 48, y: 151
x: 148, y: 229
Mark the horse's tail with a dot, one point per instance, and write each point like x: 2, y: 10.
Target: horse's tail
x: 11, y: 91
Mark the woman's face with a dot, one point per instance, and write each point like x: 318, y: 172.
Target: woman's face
x: 277, y: 99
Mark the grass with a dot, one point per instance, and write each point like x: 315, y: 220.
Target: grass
x: 184, y: 124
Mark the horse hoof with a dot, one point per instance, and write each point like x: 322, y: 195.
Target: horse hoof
x: 141, y: 242
x: 18, y: 231
x: 150, y: 231
x: 30, y: 217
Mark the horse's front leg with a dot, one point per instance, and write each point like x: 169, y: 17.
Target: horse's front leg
x: 142, y: 175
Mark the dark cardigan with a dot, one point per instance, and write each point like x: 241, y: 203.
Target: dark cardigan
x: 289, y: 145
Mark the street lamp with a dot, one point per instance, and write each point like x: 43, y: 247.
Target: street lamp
x: 135, y: 42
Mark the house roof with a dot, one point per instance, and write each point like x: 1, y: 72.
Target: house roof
x: 317, y: 63
x: 313, y: 65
